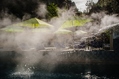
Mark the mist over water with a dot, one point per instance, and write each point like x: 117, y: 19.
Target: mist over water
x: 28, y: 43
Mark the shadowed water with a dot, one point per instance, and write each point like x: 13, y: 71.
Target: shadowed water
x: 68, y: 71
x: 70, y: 67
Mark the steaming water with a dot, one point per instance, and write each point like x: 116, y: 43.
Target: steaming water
x: 62, y: 71
x: 50, y: 68
x: 58, y: 71
x: 65, y: 70
x: 100, y: 72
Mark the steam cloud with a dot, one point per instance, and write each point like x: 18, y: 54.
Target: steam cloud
x: 44, y: 10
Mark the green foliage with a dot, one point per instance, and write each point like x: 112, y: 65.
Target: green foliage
x: 111, y: 6
x: 52, y: 10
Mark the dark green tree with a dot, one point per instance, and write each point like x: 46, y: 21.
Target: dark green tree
x: 111, y: 6
x: 52, y: 10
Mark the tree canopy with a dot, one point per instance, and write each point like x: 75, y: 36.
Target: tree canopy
x: 19, y: 8
x: 111, y: 6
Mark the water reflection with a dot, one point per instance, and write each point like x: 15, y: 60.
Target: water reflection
x: 69, y: 68
x: 39, y: 75
x: 67, y: 71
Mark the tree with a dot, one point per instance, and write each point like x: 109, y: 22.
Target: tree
x: 52, y: 10
x: 19, y: 7
x: 111, y: 6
